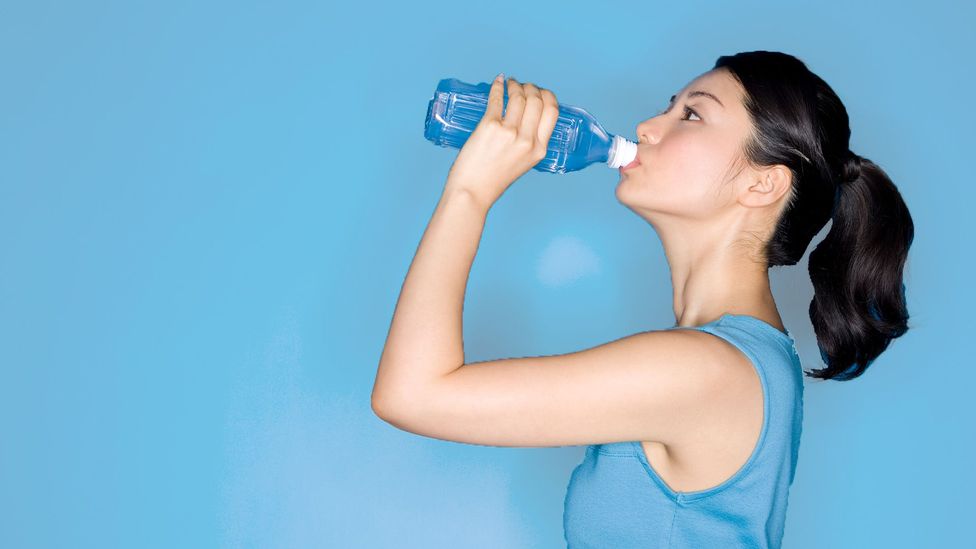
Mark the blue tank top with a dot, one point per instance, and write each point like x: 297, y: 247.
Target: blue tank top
x: 616, y: 499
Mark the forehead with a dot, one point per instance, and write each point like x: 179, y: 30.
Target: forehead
x: 719, y: 82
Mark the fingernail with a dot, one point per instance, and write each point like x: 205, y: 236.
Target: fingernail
x: 500, y: 77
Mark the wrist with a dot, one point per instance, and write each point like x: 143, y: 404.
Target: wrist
x: 466, y: 198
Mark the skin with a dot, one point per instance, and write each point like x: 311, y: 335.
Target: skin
x: 710, y: 209
x: 712, y: 212
x: 692, y: 399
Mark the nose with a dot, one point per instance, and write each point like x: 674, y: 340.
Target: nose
x: 648, y: 132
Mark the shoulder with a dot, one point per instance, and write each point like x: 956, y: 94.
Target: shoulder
x: 721, y: 354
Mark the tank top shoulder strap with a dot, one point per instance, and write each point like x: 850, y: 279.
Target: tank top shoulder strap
x: 746, y: 332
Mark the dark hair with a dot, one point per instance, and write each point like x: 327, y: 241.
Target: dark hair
x: 798, y: 121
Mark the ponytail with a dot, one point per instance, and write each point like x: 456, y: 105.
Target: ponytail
x: 859, y: 302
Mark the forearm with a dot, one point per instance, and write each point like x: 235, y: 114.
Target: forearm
x: 425, y: 337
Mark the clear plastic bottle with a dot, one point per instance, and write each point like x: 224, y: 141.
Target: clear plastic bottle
x: 577, y: 140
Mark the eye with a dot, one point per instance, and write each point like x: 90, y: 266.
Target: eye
x: 688, y: 111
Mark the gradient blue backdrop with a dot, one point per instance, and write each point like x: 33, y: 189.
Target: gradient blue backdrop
x: 207, y: 211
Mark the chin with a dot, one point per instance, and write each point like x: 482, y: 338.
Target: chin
x: 621, y: 194
x: 628, y: 190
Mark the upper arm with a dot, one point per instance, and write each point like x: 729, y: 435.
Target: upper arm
x: 655, y: 385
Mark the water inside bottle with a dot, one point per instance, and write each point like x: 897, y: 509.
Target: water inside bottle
x: 577, y: 139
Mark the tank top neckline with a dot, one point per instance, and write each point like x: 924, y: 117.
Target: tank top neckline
x: 787, y: 336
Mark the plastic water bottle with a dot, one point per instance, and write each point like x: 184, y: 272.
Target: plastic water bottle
x: 577, y: 140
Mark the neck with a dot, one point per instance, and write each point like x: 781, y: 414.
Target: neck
x: 715, y: 271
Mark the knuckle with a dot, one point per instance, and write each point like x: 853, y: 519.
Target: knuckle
x: 498, y: 130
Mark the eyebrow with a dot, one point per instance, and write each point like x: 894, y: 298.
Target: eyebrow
x: 698, y: 93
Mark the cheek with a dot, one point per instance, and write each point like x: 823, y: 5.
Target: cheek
x: 687, y: 161
x: 681, y: 175
x: 682, y: 166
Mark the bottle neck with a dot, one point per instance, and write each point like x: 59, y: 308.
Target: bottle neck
x: 622, y: 152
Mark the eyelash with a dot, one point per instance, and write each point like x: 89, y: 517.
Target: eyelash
x: 687, y: 110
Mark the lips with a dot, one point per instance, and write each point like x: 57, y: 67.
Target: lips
x: 636, y: 162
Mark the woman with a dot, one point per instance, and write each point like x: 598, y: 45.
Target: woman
x: 692, y: 432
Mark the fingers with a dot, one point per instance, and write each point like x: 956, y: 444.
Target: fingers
x: 550, y: 115
x: 516, y: 105
x: 529, y: 125
x: 531, y: 110
x: 495, y: 100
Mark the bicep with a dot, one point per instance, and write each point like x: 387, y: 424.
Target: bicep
x: 647, y: 386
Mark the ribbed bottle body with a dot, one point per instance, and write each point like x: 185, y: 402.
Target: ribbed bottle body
x: 577, y: 140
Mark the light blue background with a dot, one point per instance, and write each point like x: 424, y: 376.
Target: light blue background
x: 207, y: 212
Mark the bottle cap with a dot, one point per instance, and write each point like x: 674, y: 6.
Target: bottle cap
x: 622, y: 152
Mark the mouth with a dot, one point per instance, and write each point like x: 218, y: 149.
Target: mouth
x: 636, y: 162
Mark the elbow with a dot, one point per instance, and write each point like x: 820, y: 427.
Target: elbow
x: 385, y: 405
x: 394, y: 398
x: 380, y: 405
x: 392, y: 404
x: 379, y: 399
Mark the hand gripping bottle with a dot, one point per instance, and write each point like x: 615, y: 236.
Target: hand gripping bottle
x: 577, y: 140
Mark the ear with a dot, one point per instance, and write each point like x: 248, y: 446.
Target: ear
x: 767, y: 186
